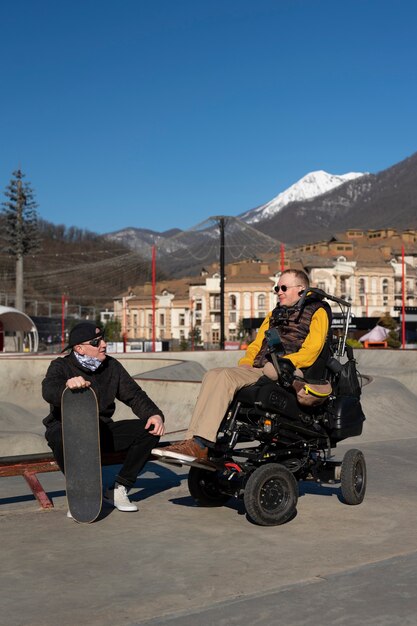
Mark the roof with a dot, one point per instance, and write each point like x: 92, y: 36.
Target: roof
x: 13, y: 320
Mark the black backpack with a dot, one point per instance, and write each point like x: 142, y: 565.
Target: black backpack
x: 348, y: 381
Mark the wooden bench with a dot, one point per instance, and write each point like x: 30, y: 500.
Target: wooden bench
x: 29, y: 466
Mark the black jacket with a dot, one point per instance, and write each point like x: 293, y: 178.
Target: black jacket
x: 110, y: 381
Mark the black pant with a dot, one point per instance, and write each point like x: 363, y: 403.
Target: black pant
x: 129, y: 435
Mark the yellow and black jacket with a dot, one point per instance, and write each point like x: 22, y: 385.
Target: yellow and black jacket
x: 303, y: 334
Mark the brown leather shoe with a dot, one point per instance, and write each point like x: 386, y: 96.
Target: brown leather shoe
x: 187, y: 450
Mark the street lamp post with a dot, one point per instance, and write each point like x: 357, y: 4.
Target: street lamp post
x: 221, y: 223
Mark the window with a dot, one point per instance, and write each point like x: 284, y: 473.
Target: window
x: 361, y: 285
x: 232, y: 302
x: 215, y: 336
x: 181, y: 319
x: 385, y: 286
x: 215, y: 302
x: 162, y: 319
x: 261, y: 302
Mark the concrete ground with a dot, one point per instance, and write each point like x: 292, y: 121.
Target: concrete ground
x: 176, y: 563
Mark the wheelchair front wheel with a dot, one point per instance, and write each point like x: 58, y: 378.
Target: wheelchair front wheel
x: 271, y: 495
x: 204, y: 488
x: 353, y: 477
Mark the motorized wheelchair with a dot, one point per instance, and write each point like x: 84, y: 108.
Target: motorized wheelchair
x: 268, y: 443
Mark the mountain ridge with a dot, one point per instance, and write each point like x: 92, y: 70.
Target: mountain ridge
x: 383, y: 200
x: 361, y: 200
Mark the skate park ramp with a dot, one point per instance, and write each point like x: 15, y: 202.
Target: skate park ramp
x: 176, y: 564
x: 173, y: 383
x: 389, y: 394
x: 185, y: 371
x: 390, y: 409
x: 389, y: 399
x: 22, y: 407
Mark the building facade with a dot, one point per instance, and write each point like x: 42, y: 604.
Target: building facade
x: 373, y: 270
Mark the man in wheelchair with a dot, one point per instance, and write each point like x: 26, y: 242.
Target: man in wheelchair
x: 261, y: 428
x: 301, y: 322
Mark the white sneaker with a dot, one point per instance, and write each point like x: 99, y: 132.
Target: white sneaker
x: 118, y: 498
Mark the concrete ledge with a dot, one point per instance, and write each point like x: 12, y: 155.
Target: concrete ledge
x: 389, y: 401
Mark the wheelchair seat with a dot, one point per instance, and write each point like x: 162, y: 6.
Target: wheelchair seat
x: 268, y: 395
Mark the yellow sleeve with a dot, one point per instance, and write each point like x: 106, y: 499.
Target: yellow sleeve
x: 254, y: 347
x: 313, y: 343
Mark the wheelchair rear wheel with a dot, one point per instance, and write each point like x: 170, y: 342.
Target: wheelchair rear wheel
x: 271, y: 495
x: 204, y: 488
x: 353, y: 477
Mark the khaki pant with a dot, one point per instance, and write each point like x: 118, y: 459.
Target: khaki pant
x: 217, y: 390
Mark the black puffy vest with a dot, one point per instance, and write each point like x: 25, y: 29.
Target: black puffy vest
x: 293, y: 325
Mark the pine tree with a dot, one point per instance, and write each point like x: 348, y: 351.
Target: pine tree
x: 21, y: 232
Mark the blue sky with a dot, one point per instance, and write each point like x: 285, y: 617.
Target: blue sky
x: 160, y: 113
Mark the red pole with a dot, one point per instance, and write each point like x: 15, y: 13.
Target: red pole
x: 191, y: 324
x: 153, y: 297
x: 63, y: 302
x: 403, y: 297
x: 282, y: 257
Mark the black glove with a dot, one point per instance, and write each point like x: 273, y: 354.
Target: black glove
x: 286, y: 372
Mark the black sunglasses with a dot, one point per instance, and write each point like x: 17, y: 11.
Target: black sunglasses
x: 95, y: 342
x: 284, y: 288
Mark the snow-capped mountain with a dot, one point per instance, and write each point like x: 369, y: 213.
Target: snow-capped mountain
x: 311, y: 185
x: 315, y: 208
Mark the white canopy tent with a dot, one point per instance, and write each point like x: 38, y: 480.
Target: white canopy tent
x: 12, y: 322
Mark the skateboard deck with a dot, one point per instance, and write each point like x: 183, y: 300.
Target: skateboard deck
x: 81, y: 440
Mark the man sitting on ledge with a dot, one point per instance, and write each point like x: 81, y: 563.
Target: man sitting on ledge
x: 303, y: 334
x: 88, y: 365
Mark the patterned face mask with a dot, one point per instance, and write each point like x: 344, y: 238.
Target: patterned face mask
x: 89, y: 362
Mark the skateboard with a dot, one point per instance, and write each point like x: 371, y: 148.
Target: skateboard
x: 81, y: 440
